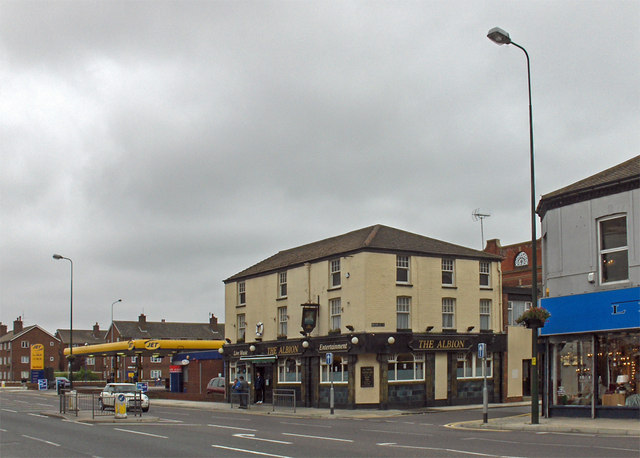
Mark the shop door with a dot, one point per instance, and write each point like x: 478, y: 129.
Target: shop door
x: 526, y: 377
x: 267, y: 373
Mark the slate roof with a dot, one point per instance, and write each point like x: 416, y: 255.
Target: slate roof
x: 620, y: 178
x: 82, y: 336
x: 168, y: 330
x: 373, y: 238
x: 9, y: 336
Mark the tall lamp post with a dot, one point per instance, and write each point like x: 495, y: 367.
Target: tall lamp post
x: 499, y: 36
x: 57, y: 256
x: 114, y: 356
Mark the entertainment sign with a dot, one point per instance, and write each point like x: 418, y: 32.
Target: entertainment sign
x: 441, y: 344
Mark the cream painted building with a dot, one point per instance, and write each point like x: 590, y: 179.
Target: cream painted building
x: 402, y: 315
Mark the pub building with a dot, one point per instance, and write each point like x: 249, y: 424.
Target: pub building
x: 401, y: 314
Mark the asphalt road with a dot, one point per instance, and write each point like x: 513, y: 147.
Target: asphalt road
x: 185, y: 432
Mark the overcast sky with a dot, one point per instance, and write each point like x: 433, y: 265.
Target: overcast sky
x: 165, y: 146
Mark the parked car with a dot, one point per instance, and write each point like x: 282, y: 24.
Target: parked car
x: 62, y: 382
x: 107, y: 397
x: 216, y: 385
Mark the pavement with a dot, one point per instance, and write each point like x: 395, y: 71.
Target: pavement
x: 607, y: 426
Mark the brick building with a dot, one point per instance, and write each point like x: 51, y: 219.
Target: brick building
x: 16, y: 347
x: 98, y: 364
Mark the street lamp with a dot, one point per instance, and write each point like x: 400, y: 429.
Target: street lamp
x: 115, y: 356
x: 58, y: 257
x: 499, y: 36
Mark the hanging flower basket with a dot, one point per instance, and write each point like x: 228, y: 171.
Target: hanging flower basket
x: 535, y: 317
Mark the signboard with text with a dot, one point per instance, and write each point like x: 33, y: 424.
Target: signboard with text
x: 37, y: 357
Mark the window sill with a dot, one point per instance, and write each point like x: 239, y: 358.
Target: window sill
x: 281, y: 337
x: 334, y: 288
x: 283, y: 298
x: 405, y: 285
x: 404, y: 330
x: 486, y: 288
x: 486, y: 331
x: 241, y: 305
x: 449, y: 331
x: 406, y: 381
x: 449, y: 287
x: 335, y: 383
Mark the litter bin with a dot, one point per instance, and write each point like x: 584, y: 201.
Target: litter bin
x: 72, y: 403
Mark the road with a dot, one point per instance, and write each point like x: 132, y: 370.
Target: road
x: 185, y: 432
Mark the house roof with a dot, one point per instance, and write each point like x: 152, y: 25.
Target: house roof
x: 82, y: 336
x: 619, y: 178
x: 10, y: 335
x: 373, y: 238
x: 167, y: 330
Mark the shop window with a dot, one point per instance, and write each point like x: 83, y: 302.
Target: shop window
x: 336, y: 372
x: 289, y: 370
x: 406, y: 367
x: 573, y: 369
x: 470, y: 366
x: 614, y: 262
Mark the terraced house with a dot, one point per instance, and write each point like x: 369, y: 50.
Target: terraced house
x: 401, y: 314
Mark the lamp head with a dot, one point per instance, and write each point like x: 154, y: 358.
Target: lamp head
x: 57, y: 256
x: 350, y: 328
x: 499, y: 36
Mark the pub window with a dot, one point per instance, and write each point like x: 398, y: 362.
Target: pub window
x: 402, y: 269
x: 485, y: 274
x: 485, y: 314
x: 289, y: 370
x: 334, y: 273
x: 448, y: 313
x: 282, y: 321
x: 403, y: 312
x: 335, y: 310
x: 242, y: 325
x: 337, y: 372
x: 470, y: 366
x: 242, y: 294
x: 408, y: 366
x: 282, y: 284
x: 448, y: 274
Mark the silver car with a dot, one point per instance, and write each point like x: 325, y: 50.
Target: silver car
x: 107, y: 398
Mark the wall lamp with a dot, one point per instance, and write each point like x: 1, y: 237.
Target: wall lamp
x: 252, y: 348
x: 305, y: 344
x: 391, y: 340
x: 429, y: 328
x: 228, y: 340
x: 470, y: 328
x: 354, y: 340
x: 349, y: 327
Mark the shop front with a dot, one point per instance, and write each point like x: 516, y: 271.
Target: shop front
x: 594, y: 355
x: 386, y: 370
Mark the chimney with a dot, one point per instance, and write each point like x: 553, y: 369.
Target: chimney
x: 493, y: 246
x: 213, y: 322
x: 96, y: 330
x: 142, y: 321
x: 3, y: 329
x: 17, y: 325
x: 163, y: 322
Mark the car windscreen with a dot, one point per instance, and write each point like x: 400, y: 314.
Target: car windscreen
x: 124, y: 389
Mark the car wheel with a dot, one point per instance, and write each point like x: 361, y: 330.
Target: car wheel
x: 145, y: 409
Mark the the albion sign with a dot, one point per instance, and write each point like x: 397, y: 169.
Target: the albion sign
x: 441, y: 344
x: 288, y: 349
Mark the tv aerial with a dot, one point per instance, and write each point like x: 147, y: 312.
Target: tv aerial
x: 476, y: 215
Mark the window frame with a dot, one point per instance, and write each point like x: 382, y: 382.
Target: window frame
x: 403, y: 265
x: 335, y: 313
x: 474, y: 367
x: 602, y: 252
x: 335, y: 276
x: 242, y: 293
x: 485, y: 312
x: 450, y: 303
x: 24, y: 344
x: 448, y: 267
x: 241, y: 323
x: 283, y: 320
x: 485, y: 274
x: 283, y: 369
x: 24, y: 359
x: 418, y: 368
x: 403, y: 310
x: 341, y: 362
x: 282, y: 284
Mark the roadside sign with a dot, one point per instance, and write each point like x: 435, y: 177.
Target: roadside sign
x: 329, y: 357
x: 142, y: 386
x: 482, y: 350
x: 120, y: 406
x: 42, y: 384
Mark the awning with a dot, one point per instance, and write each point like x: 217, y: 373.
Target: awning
x: 259, y: 359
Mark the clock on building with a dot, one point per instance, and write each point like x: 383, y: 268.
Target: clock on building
x: 521, y: 259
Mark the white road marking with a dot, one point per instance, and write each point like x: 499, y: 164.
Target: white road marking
x: 232, y: 427
x: 248, y: 451
x: 9, y: 410
x: 3, y: 430
x: 397, y: 432
x: 41, y: 404
x: 464, y: 452
x: 141, y: 433
x: 41, y: 440
x: 37, y: 415
x: 303, y: 424
x: 558, y: 445
x: 318, y: 437
x: 253, y: 437
x: 78, y: 422
x: 23, y: 402
x: 170, y: 420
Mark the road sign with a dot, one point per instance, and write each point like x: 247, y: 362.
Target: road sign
x: 329, y: 359
x: 42, y: 384
x: 482, y: 350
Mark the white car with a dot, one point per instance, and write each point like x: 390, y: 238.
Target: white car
x: 109, y: 393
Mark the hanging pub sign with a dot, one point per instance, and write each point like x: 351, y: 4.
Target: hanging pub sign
x: 441, y: 344
x: 309, y: 317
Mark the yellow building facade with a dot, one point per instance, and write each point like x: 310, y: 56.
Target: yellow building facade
x: 401, y: 314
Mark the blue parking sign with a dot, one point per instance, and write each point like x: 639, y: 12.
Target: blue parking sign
x: 329, y: 359
x: 482, y: 350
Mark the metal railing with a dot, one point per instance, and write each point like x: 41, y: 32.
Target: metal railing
x: 284, y: 398
x: 241, y: 398
x: 72, y: 402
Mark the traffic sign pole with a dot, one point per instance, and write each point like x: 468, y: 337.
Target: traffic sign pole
x: 331, y: 392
